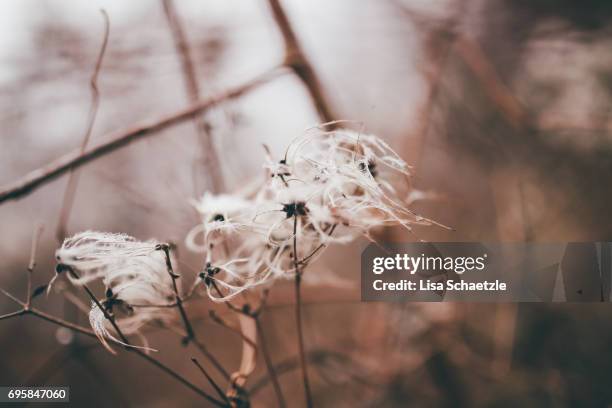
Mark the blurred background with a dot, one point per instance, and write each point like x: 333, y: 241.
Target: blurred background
x: 503, y: 107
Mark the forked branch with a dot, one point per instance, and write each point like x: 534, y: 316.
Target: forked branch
x: 121, y: 138
x: 73, y: 178
x: 299, y: 63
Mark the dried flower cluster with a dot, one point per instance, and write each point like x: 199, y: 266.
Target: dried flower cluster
x: 329, y: 187
x: 134, y: 275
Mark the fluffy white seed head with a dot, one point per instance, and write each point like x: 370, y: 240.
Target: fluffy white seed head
x: 329, y: 187
x: 134, y: 274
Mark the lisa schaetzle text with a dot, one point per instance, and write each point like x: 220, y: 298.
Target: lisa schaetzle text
x: 430, y: 266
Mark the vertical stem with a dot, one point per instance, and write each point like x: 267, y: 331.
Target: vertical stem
x: 191, y: 336
x: 143, y: 355
x: 213, y: 360
x: 32, y: 264
x: 179, y: 301
x: 73, y: 177
x: 269, y: 365
x: 210, y: 380
x: 107, y: 315
x: 296, y: 60
x: 210, y: 155
x: 298, y: 315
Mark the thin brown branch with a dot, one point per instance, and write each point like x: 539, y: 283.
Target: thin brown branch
x: 200, y: 346
x: 12, y: 314
x: 139, y: 352
x: 210, y: 156
x: 178, y: 377
x: 187, y: 337
x: 441, y: 38
x: 190, y: 333
x: 44, y: 316
x: 419, y: 19
x: 183, y: 49
x: 511, y: 108
x: 107, y: 315
x: 299, y: 63
x: 75, y: 327
x: 60, y: 322
x: 32, y: 264
x: 298, y: 315
x: 122, y: 138
x: 210, y: 380
x: 73, y: 178
x: 269, y: 365
x: 179, y: 301
x: 155, y: 362
x: 13, y: 298
x: 213, y: 360
x: 434, y: 77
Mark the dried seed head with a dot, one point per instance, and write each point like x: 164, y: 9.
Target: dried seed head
x: 295, y: 209
x: 134, y: 273
x: 335, y: 186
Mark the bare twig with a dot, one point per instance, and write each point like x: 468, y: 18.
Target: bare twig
x: 298, y: 315
x: 210, y: 380
x: 75, y: 327
x: 511, y: 108
x: 44, y: 316
x: 27, y: 309
x: 213, y: 360
x: 139, y: 352
x: 179, y: 301
x: 60, y: 322
x: 201, y: 347
x: 73, y: 178
x: 299, y: 64
x: 32, y: 264
x: 190, y: 335
x: 269, y: 365
x: 178, y: 377
x: 122, y: 138
x: 13, y: 298
x: 442, y: 37
x: 12, y: 314
x: 183, y: 49
x: 210, y: 156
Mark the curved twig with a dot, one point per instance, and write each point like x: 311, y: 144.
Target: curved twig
x: 122, y: 138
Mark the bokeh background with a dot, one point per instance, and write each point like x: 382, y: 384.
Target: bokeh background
x: 502, y: 107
